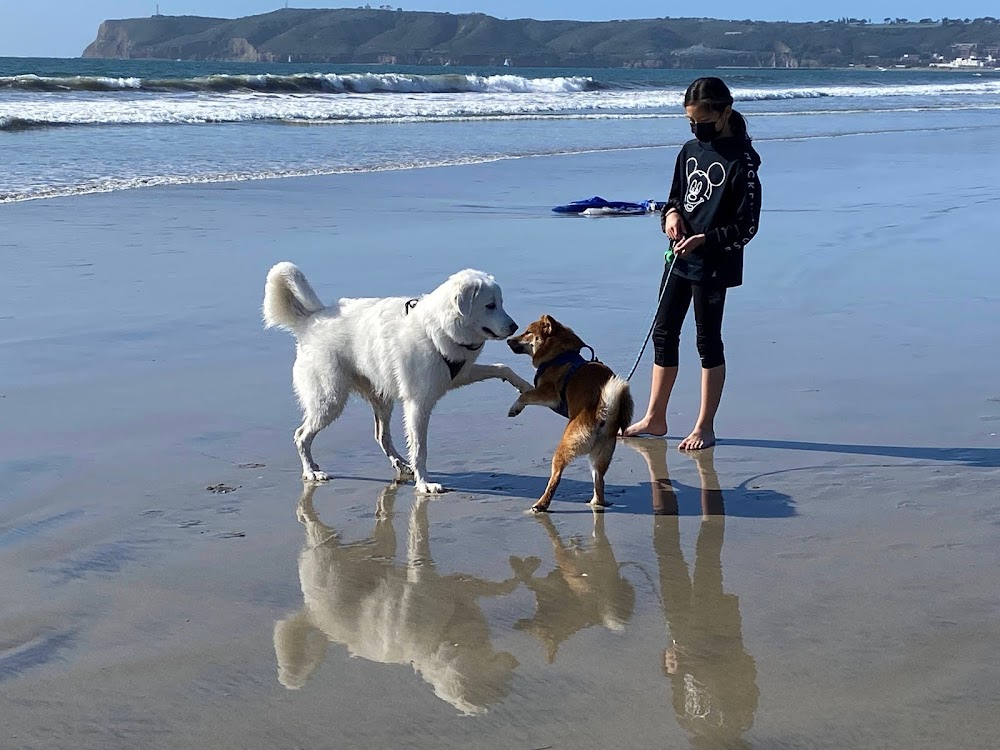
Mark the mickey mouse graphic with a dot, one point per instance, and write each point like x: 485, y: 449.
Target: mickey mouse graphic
x: 701, y: 183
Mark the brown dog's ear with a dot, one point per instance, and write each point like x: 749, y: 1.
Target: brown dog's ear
x: 547, y: 324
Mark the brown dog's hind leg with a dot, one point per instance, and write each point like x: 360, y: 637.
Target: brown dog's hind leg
x: 600, y: 460
x: 559, y: 463
x: 569, y: 448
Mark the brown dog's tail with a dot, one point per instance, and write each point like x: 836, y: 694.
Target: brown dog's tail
x: 616, y: 405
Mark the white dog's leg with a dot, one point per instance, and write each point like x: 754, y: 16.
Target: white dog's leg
x: 303, y: 438
x: 478, y: 373
x: 317, y: 532
x: 304, y: 511
x: 314, y: 421
x: 417, y: 417
x: 383, y: 417
x: 419, y: 563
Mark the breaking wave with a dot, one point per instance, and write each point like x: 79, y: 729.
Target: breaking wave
x: 329, y: 83
x: 406, y: 83
x: 511, y: 97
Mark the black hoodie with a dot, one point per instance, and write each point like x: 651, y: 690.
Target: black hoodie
x: 717, y: 191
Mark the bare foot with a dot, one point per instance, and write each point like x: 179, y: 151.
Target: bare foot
x: 699, y: 439
x: 647, y: 426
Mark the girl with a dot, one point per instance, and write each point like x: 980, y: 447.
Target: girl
x: 711, y: 215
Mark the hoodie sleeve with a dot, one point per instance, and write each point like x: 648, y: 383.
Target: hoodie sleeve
x: 744, y: 196
x: 675, y: 201
x: 676, y: 198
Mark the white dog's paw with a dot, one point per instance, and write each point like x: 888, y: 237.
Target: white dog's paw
x: 403, y: 470
x: 516, y: 409
x: 315, y: 476
x: 520, y: 383
x: 430, y: 488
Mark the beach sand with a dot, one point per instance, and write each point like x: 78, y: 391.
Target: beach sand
x: 847, y: 598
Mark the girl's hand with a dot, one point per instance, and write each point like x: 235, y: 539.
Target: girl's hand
x: 673, y: 225
x: 689, y: 245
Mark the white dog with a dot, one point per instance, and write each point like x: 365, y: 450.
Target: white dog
x: 386, y: 350
x: 358, y: 595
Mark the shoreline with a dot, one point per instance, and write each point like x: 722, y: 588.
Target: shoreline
x: 133, y: 184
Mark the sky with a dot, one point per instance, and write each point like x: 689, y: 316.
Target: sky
x: 62, y: 28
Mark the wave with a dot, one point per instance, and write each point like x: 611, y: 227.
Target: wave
x: 15, y: 124
x: 112, y: 185
x: 405, y: 83
x: 307, y: 115
x: 431, y: 99
x: 330, y: 83
x: 983, y: 88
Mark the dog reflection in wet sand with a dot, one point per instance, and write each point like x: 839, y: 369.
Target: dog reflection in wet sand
x: 357, y: 595
x: 584, y: 590
x: 713, y: 678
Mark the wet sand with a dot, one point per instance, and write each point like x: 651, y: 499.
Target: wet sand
x: 824, y: 579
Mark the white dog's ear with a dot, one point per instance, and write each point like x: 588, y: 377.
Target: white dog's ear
x: 466, y: 295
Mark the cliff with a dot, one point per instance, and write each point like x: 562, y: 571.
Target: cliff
x: 416, y: 38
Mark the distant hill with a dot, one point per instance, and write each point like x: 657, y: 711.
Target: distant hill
x: 414, y: 38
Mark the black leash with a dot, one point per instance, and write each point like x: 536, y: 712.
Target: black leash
x: 652, y: 325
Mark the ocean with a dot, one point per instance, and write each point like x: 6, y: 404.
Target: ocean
x: 79, y: 126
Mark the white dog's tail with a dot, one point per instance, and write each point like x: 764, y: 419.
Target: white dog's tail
x: 616, y: 405
x: 289, y: 300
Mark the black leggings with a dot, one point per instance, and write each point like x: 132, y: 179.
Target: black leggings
x: 709, y: 304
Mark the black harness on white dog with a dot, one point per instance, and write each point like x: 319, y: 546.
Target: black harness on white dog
x: 453, y: 367
x: 456, y: 367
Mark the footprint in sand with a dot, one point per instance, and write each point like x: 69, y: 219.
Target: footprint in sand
x: 221, y: 489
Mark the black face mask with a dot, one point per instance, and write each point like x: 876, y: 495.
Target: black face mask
x: 705, y: 131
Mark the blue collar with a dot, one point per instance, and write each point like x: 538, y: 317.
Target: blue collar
x: 575, y: 362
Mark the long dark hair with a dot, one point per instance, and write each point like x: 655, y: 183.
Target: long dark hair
x: 714, y: 94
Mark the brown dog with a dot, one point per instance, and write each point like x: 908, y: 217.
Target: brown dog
x: 585, y: 589
x: 597, y: 402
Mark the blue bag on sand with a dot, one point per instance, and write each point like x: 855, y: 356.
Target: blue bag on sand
x: 597, y: 206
